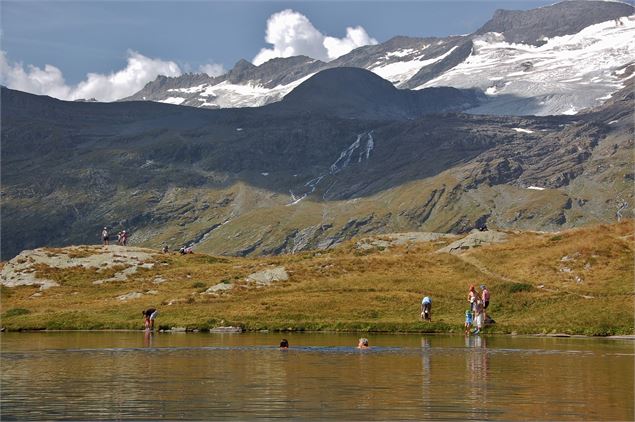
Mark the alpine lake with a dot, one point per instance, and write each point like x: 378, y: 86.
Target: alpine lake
x: 204, y: 376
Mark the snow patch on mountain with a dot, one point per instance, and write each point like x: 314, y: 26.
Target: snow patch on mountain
x: 345, y: 157
x: 190, y: 90
x: 338, y: 165
x: 401, y: 71
x: 401, y: 53
x: 174, y: 100
x: 563, y: 76
x: 228, y: 95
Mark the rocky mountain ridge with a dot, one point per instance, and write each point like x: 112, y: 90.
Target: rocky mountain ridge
x: 536, y: 62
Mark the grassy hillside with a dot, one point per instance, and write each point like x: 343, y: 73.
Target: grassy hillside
x: 578, y: 281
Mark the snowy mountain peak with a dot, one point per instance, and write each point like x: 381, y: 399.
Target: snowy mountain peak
x: 556, y: 59
x: 565, y: 18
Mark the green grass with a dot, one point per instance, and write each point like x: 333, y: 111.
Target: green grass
x: 16, y: 312
x: 343, y: 290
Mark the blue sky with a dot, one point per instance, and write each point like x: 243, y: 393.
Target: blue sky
x: 78, y: 38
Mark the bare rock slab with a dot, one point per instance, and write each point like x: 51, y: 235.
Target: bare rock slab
x: 268, y: 276
x: 474, y: 239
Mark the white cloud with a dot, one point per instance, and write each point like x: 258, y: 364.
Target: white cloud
x: 212, y: 69
x: 122, y: 83
x: 292, y: 34
x: 355, y: 37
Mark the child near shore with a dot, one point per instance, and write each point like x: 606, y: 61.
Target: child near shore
x: 468, y: 321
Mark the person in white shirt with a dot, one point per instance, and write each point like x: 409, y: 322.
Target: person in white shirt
x: 426, y: 309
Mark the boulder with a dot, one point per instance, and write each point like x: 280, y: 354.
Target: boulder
x: 475, y: 238
x: 218, y: 288
x: 268, y: 276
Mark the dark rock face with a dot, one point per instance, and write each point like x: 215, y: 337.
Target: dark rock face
x: 462, y: 50
x: 353, y: 92
x: 568, y: 17
x: 278, y: 71
x: 162, y: 83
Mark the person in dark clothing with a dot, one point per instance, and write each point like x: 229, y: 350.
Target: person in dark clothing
x: 149, y: 315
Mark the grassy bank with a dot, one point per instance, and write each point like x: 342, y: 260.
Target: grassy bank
x: 576, y: 282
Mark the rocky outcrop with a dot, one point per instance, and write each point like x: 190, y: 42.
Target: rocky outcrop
x: 24, y: 269
x: 474, y: 239
x: 268, y: 276
x: 399, y: 239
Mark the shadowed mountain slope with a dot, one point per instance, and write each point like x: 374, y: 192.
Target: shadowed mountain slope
x: 285, y: 178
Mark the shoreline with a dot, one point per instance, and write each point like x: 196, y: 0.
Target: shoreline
x: 238, y: 330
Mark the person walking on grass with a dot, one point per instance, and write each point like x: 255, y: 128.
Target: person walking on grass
x: 426, y: 309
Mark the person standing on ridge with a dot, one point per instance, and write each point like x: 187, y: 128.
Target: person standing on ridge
x: 104, y: 236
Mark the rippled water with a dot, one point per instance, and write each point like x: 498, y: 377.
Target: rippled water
x: 129, y: 375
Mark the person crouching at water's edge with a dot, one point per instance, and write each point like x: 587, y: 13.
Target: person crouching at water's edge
x: 150, y: 315
x: 426, y: 309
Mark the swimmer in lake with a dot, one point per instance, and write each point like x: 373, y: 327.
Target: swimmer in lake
x: 284, y: 344
x: 363, y: 343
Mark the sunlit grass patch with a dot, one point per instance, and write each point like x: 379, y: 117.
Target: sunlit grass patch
x: 531, y: 277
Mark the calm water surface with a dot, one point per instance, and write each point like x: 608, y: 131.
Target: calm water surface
x: 129, y: 375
